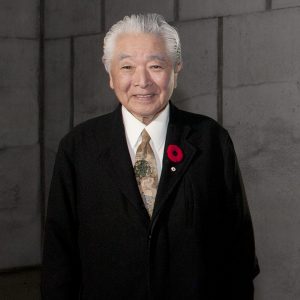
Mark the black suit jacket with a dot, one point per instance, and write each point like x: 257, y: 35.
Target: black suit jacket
x: 100, y: 242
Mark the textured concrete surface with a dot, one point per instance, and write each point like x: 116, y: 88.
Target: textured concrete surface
x: 262, y: 48
x: 18, y: 92
x: 19, y: 18
x: 23, y: 285
x: 199, y: 74
x: 92, y: 94
x: 265, y: 126
x: 49, y: 165
x: 195, y: 9
x: 116, y: 10
x: 20, y: 215
x: 263, y: 117
x: 285, y: 3
x: 58, y: 90
x: 200, y: 104
x: 72, y: 17
x: 58, y: 98
x: 261, y: 110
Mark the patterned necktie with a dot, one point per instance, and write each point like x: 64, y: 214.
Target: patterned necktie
x: 146, y: 172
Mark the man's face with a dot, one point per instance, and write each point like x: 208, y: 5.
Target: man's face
x: 142, y: 74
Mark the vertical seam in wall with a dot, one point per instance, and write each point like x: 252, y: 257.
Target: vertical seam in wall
x: 176, y: 10
x: 41, y: 103
x: 103, y: 15
x: 268, y: 4
x: 220, y: 72
x: 72, y: 84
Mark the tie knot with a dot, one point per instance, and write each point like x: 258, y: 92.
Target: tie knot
x: 145, y: 137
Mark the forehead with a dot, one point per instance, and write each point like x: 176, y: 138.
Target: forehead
x: 140, y: 44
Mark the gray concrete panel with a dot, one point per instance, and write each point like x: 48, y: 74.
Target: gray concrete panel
x: 19, y: 61
x: 195, y: 9
x: 262, y: 48
x: 58, y: 89
x: 265, y: 126
x: 285, y: 3
x: 92, y: 94
x: 115, y: 10
x: 20, y: 214
x: 199, y: 74
x: 72, y: 17
x: 49, y: 166
x: 201, y: 104
x: 19, y: 18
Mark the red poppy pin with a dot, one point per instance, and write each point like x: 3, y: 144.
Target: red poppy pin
x: 174, y: 153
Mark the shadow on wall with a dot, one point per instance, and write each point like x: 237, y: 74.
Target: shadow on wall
x: 23, y: 285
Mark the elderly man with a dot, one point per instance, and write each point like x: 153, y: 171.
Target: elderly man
x: 147, y: 202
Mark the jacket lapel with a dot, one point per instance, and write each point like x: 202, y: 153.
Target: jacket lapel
x: 117, y: 161
x: 177, y: 134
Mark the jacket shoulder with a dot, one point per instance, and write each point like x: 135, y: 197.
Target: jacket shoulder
x: 201, y: 122
x: 85, y: 132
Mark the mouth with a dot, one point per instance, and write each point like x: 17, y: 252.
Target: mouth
x: 144, y: 96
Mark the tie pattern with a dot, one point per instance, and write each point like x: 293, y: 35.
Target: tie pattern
x: 146, y: 172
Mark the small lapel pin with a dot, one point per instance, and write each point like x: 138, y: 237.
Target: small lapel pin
x: 173, y: 169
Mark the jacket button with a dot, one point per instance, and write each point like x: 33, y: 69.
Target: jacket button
x: 149, y: 237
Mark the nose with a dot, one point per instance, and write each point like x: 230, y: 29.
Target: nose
x: 142, y: 78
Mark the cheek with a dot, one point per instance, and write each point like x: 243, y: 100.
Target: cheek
x: 164, y: 82
x: 122, y: 84
x: 168, y: 84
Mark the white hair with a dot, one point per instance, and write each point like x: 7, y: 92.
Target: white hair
x: 143, y: 23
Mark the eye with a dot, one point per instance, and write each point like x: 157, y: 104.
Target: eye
x: 156, y: 67
x: 126, y: 67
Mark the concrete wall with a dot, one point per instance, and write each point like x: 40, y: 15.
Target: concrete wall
x: 20, y: 173
x: 241, y: 67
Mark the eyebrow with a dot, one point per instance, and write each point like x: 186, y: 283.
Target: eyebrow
x: 151, y: 57
x: 123, y: 56
x: 157, y: 57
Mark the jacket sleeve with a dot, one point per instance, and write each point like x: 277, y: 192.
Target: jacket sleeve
x: 61, y: 262
x: 243, y: 265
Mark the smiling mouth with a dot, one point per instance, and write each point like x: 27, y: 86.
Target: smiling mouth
x: 144, y: 96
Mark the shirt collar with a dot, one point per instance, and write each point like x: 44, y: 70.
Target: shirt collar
x: 157, y: 129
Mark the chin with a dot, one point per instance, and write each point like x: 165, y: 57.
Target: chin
x: 145, y: 111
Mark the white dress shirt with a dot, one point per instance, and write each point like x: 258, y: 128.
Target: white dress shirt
x: 157, y: 130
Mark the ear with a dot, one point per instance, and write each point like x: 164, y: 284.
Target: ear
x: 111, y: 83
x: 177, y: 69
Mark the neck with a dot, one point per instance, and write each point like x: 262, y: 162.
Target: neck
x: 148, y: 119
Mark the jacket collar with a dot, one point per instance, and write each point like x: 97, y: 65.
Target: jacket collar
x: 116, y: 159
